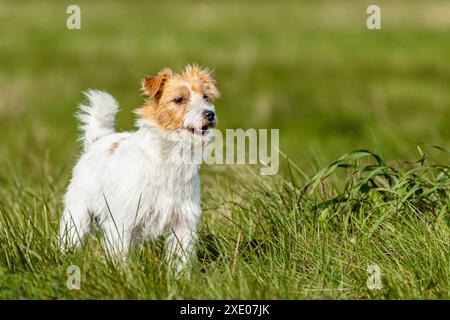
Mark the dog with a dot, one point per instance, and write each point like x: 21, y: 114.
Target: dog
x: 128, y: 183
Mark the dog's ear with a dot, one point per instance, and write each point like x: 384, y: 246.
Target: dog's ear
x: 153, y: 85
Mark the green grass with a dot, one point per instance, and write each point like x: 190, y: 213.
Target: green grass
x: 312, y: 70
x: 269, y: 239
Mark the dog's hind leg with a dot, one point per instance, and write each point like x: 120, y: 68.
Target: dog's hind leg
x: 75, y: 224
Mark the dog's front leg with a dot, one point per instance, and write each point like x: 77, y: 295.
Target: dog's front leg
x: 181, y: 242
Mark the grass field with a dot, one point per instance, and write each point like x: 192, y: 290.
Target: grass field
x: 311, y: 69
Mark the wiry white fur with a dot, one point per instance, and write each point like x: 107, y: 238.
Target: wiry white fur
x: 135, y: 191
x: 194, y: 116
x: 97, y: 117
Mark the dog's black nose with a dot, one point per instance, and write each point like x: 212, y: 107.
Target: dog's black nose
x: 209, y: 115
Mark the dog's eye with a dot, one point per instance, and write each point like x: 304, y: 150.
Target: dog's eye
x: 179, y: 100
x: 207, y: 98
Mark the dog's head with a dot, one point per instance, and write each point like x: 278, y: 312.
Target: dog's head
x: 181, y: 101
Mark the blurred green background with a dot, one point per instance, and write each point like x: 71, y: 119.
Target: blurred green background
x: 310, y: 68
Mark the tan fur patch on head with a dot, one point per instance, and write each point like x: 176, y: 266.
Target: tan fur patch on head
x: 169, y: 95
x: 203, y: 78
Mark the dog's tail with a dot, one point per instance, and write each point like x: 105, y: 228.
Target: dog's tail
x: 97, y: 116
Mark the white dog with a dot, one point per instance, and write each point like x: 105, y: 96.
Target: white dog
x: 129, y: 183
